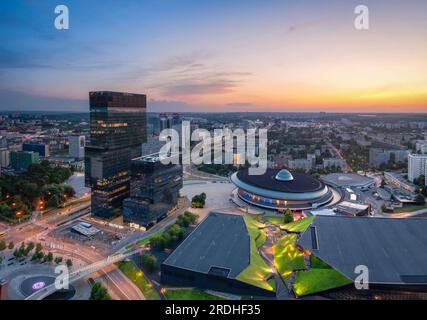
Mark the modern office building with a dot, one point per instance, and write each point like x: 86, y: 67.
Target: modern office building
x: 41, y: 149
x: 21, y: 160
x: 117, y: 130
x: 76, y: 146
x: 166, y: 121
x: 154, y: 190
x: 417, y: 166
x: 280, y: 189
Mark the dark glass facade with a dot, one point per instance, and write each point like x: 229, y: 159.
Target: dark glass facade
x: 117, y: 130
x: 154, y: 191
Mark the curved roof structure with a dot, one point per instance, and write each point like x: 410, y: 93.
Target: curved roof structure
x: 288, y: 182
x: 278, y: 189
x: 284, y: 175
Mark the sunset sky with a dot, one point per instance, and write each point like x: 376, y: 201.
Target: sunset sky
x: 217, y: 55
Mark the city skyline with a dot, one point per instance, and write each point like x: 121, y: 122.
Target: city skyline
x: 216, y: 57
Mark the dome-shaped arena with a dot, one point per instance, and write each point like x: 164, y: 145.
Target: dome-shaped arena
x: 279, y: 189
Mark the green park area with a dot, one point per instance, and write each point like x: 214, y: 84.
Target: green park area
x: 138, y: 278
x: 188, y: 294
x: 295, y: 226
x: 298, y: 226
x: 256, y: 230
x: 286, y: 256
x: 276, y: 220
x: 143, y: 242
x: 170, y: 236
x: 257, y: 273
x: 320, y: 277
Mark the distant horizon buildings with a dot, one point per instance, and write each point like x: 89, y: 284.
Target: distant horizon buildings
x: 117, y: 130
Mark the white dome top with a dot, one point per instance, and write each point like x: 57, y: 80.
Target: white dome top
x: 284, y: 175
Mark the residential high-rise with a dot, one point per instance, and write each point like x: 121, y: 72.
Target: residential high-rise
x: 417, y: 166
x: 117, y: 130
x: 76, y: 146
x: 4, y: 157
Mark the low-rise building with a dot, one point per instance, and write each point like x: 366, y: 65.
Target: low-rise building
x: 398, y: 181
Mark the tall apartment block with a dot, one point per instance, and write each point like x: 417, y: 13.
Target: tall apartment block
x: 76, y: 146
x: 417, y: 166
x: 117, y: 130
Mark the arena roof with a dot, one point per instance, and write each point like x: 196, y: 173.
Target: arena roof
x: 219, y: 245
x: 301, y: 183
x: 344, y: 180
x: 394, y: 250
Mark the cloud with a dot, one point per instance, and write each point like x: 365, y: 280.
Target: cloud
x: 196, y: 87
x: 14, y: 100
x: 186, y: 75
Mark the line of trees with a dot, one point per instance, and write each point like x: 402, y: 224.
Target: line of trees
x: 99, y: 292
x: 174, y: 233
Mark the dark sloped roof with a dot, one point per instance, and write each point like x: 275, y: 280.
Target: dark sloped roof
x: 221, y: 241
x: 394, y: 250
x: 301, y: 182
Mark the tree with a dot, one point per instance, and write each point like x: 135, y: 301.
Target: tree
x: 148, y: 261
x: 17, y: 253
x: 58, y: 260
x: 3, y: 245
x: 11, y: 245
x: 420, y: 200
x: 99, y: 292
x: 288, y: 216
x: 38, y: 256
x: 39, y: 247
x: 198, y: 201
x: 69, y: 263
x: 49, y: 257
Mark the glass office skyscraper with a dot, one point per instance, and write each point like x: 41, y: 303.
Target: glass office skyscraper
x: 117, y: 130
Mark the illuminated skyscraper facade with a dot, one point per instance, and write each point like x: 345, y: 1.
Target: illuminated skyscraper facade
x: 117, y: 130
